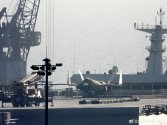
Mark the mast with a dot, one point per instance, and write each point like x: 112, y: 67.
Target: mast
x: 157, y: 31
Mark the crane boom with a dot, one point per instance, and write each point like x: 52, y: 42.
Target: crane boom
x: 26, y: 24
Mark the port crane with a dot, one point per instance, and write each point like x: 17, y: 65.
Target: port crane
x: 17, y: 36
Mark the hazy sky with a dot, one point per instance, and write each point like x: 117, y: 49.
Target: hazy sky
x: 101, y: 31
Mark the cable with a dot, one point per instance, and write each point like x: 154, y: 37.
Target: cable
x: 10, y: 6
x: 46, y: 26
x: 52, y: 49
x: 49, y: 27
x: 53, y: 30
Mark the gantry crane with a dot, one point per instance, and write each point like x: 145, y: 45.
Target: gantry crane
x: 17, y: 35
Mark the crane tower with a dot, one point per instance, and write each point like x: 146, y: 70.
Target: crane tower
x: 17, y: 35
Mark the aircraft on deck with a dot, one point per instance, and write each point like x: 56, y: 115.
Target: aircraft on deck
x: 91, y: 87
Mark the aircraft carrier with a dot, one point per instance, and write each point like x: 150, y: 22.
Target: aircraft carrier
x: 17, y: 36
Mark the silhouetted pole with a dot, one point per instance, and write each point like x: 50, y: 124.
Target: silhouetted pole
x: 46, y: 70
x: 46, y: 93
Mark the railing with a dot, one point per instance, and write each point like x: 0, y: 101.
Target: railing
x: 155, y: 49
x: 142, y: 26
x: 145, y: 26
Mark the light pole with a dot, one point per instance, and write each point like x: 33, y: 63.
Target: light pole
x: 46, y: 70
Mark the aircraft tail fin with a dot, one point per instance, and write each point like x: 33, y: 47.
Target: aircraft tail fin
x: 120, y: 78
x: 81, y: 75
x: 68, y: 79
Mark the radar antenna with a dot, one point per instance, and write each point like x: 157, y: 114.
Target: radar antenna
x: 160, y: 14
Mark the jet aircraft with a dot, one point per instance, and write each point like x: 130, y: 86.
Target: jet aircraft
x: 91, y: 87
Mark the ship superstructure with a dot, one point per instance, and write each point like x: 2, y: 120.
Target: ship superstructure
x: 156, y: 49
x: 154, y: 78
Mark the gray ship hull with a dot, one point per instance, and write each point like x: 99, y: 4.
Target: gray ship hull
x: 75, y: 116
